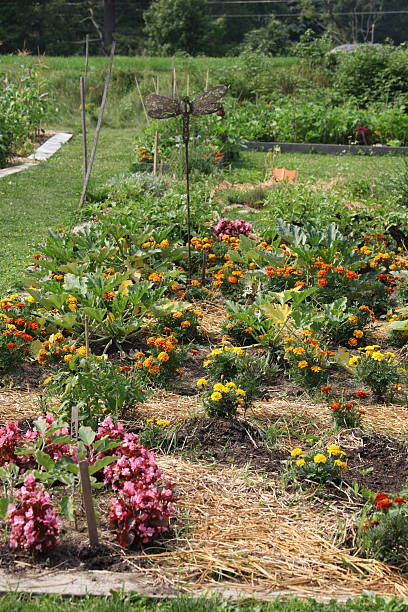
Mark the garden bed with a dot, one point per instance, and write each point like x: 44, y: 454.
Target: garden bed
x: 328, y: 149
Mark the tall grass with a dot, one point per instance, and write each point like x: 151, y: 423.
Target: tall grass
x: 124, y: 108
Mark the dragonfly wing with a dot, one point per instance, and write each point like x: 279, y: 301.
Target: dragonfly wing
x: 209, y: 101
x: 160, y: 107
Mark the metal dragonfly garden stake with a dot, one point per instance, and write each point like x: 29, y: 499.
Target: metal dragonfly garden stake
x: 160, y: 107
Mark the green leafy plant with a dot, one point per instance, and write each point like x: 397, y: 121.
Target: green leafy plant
x: 322, y: 467
x: 223, y: 400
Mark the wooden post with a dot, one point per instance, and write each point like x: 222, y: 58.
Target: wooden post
x: 88, y: 502
x: 173, y: 77
x: 156, y: 139
x: 86, y: 57
x: 188, y: 85
x: 74, y: 422
x: 161, y: 168
x: 98, y: 127
x: 206, y: 80
x: 83, y: 124
x: 86, y: 336
x: 141, y: 99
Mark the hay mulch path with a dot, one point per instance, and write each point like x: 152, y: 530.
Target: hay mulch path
x: 16, y: 405
x: 239, y: 532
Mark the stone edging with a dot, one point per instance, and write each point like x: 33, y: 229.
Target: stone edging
x: 330, y: 149
x: 43, y: 152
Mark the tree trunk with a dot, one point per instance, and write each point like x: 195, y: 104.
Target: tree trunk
x: 108, y: 23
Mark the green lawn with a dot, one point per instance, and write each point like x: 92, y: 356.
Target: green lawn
x: 47, y: 195
x: 127, y: 603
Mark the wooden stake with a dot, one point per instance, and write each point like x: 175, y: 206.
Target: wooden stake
x: 173, y: 77
x: 88, y: 502
x: 188, y: 85
x: 83, y: 124
x: 86, y: 336
x: 141, y: 99
x: 74, y: 422
x: 98, y: 126
x: 206, y: 80
x: 161, y: 168
x: 156, y: 139
x: 86, y: 57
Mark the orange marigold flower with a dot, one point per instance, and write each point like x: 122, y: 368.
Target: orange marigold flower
x: 352, y: 342
x: 185, y: 324
x: 322, y: 282
x: 12, y: 345
x: 302, y: 364
x: 316, y: 368
x: 163, y: 357
x: 232, y: 279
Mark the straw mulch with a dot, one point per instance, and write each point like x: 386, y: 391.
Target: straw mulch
x: 16, y: 405
x: 238, y: 533
x: 214, y: 315
x: 388, y: 419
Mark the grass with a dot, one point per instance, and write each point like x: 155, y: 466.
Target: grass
x: 358, y: 171
x: 48, y: 195
x: 121, y: 603
x: 125, y: 107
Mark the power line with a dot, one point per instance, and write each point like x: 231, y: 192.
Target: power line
x: 302, y: 14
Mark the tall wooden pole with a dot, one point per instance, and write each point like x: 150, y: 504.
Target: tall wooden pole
x: 98, y: 126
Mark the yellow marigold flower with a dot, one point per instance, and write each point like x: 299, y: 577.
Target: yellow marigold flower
x: 299, y: 350
x: 150, y: 341
x: 334, y: 450
x: 377, y: 356
x: 185, y: 324
x: 241, y: 392
x: 81, y: 350
x: 218, y: 387
x: 164, y: 243
x: 216, y: 396
x: 31, y: 300
x: 354, y: 360
x: 316, y: 369
x: 319, y: 458
x: 296, y: 452
x: 290, y: 339
x: 163, y: 356
x: 302, y: 364
x: 68, y: 357
x: 288, y: 349
x: 341, y: 464
x: 177, y: 315
x: 238, y: 351
x: 201, y: 382
x: 300, y: 462
x: 207, y: 363
x: 58, y: 337
x: 148, y: 362
x: 357, y: 333
x: 231, y: 385
x: 47, y: 380
x: 353, y: 319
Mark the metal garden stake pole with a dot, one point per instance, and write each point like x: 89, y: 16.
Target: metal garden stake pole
x: 161, y: 107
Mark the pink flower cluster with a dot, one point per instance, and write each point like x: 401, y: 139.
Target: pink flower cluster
x: 34, y: 523
x: 144, y: 502
x: 226, y: 227
x: 11, y: 437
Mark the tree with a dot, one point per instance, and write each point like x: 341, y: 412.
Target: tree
x: 272, y: 39
x: 182, y: 25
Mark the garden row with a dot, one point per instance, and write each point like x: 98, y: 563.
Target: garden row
x: 300, y: 304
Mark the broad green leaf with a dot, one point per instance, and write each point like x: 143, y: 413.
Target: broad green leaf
x: 87, y: 435
x: 44, y: 460
x: 278, y: 313
x: 67, y: 507
x: 101, y: 463
x: 98, y: 314
x: 41, y: 425
x: 4, y: 503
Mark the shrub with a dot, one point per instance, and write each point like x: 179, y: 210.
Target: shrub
x: 34, y: 524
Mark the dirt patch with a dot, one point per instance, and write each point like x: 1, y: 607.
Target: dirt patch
x: 228, y: 442
x: 379, y: 464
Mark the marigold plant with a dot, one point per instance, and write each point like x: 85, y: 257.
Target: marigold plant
x: 322, y: 467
